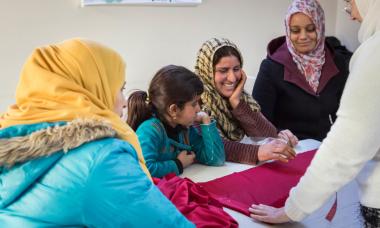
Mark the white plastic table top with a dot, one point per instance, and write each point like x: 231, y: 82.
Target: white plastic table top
x: 347, y: 214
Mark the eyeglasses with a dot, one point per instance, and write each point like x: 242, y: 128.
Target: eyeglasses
x: 348, y: 7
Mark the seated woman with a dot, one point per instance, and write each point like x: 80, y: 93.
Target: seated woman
x: 300, y: 83
x: 66, y: 157
x: 163, y: 118
x: 351, y: 151
x: 219, y: 66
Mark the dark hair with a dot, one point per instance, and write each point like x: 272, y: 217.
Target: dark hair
x: 223, y: 52
x: 170, y: 85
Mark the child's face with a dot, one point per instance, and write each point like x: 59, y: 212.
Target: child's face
x: 187, y: 115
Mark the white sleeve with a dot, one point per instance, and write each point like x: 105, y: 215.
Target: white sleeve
x: 352, y: 141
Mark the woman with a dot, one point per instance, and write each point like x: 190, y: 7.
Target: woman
x: 300, y: 83
x: 219, y: 66
x: 351, y: 149
x: 164, y: 123
x: 66, y: 157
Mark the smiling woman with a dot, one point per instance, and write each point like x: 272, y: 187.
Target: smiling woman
x: 300, y: 83
x: 303, y: 33
x: 219, y: 66
x: 339, y: 160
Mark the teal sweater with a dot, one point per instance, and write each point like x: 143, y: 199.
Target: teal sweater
x: 160, y: 151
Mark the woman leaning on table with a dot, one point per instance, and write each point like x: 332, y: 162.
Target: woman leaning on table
x: 220, y: 67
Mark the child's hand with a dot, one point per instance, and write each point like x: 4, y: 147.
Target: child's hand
x: 202, y: 118
x: 236, y: 95
x: 186, y: 158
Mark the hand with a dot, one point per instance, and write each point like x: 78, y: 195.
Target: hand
x: 236, y: 95
x: 203, y: 118
x: 268, y: 214
x: 186, y: 158
x: 288, y: 136
x: 276, y: 149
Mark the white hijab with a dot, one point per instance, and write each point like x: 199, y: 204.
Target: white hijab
x: 370, y: 12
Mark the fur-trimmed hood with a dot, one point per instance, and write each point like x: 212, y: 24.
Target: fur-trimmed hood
x: 27, y: 152
x: 47, y: 141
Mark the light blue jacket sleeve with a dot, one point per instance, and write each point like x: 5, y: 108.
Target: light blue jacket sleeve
x: 207, y: 144
x: 119, y: 194
x: 151, y: 137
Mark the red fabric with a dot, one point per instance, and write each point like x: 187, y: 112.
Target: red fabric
x: 267, y: 184
x: 194, y: 202
x: 330, y: 215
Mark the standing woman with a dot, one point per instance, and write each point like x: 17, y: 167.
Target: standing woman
x: 352, y: 148
x: 219, y: 66
x: 66, y: 157
x: 300, y: 83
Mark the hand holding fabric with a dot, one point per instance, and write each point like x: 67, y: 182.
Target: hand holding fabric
x: 268, y: 214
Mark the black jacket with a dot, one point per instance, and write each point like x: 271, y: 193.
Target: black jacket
x: 288, y: 101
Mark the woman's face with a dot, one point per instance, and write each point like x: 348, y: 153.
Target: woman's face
x: 303, y: 34
x: 227, y: 75
x: 120, y: 102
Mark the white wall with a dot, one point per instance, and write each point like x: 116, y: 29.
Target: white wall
x: 147, y: 37
x: 346, y: 30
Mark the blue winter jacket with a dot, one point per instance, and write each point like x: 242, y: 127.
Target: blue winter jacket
x: 160, y: 151
x: 98, y: 184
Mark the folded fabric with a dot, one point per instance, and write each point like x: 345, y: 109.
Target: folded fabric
x: 267, y: 184
x: 194, y: 202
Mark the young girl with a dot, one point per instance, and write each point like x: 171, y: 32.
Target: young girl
x: 163, y: 120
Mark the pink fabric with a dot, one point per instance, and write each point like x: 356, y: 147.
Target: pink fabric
x: 267, y: 184
x: 194, y: 202
x: 309, y: 64
x: 330, y: 215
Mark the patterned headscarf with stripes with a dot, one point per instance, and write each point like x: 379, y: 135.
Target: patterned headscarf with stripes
x: 218, y: 107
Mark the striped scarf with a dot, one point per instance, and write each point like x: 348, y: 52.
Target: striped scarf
x: 218, y: 107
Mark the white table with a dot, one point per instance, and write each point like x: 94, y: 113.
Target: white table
x: 347, y: 215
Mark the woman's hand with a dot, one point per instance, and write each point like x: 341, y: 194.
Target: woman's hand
x: 268, y: 214
x: 202, y: 118
x: 276, y: 149
x: 289, y: 137
x: 186, y: 158
x: 236, y: 95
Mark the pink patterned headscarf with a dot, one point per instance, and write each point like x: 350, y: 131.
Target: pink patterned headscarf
x: 309, y: 64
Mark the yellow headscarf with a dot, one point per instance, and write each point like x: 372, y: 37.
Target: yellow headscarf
x: 73, y: 79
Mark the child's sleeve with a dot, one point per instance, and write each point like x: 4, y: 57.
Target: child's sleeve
x: 207, y: 144
x: 151, y: 137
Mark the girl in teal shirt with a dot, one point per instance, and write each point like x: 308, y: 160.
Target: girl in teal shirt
x: 163, y: 119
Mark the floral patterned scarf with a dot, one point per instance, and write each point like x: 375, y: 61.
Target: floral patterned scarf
x: 309, y: 64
